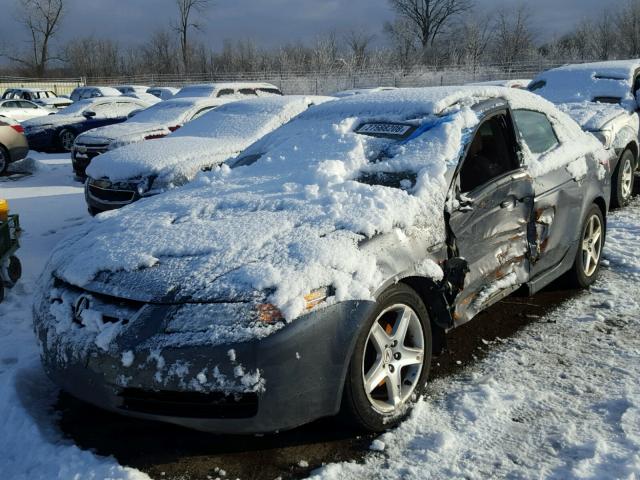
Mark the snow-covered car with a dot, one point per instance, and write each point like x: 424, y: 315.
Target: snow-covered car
x: 13, y: 145
x: 147, y: 97
x: 361, y: 91
x: 521, y: 83
x: 21, y: 110
x: 229, y: 89
x: 83, y: 93
x: 163, y: 93
x: 125, y: 175
x: 58, y: 132
x: 603, y: 98
x: 45, y: 98
x: 155, y: 122
x: 319, y: 270
x: 128, y: 89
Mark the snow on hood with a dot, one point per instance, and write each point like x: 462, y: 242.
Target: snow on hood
x: 54, y: 101
x: 295, y: 219
x: 130, y: 130
x: 206, y: 141
x: 592, y: 116
x: 586, y: 82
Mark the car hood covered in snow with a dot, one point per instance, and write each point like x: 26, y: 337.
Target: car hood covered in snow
x: 52, y: 120
x: 126, y: 131
x: 299, y: 217
x: 204, y: 142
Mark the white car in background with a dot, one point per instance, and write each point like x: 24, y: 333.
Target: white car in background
x: 163, y: 93
x: 361, y: 91
x: 147, y: 97
x: 21, y: 110
x: 81, y: 93
x: 127, y: 174
x: 229, y: 89
x: 521, y: 83
x: 152, y: 123
x: 603, y: 98
x: 128, y: 89
x: 44, y: 98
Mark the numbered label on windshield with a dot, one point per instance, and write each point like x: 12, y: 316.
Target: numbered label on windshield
x: 385, y: 129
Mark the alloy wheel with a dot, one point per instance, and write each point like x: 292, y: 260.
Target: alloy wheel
x: 393, y: 358
x: 66, y: 139
x: 626, y: 179
x: 592, y: 245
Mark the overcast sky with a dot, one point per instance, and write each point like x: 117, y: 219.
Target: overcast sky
x: 269, y: 22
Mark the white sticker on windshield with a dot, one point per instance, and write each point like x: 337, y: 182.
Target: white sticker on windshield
x: 394, y: 129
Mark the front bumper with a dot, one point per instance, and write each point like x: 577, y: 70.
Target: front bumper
x: 43, y: 140
x: 287, y: 379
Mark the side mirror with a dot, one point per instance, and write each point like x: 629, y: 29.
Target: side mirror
x: 88, y: 114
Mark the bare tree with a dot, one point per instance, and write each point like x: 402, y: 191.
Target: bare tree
x: 514, y: 38
x: 472, y: 38
x: 429, y: 18
x: 628, y: 24
x: 42, y: 19
x: 186, y: 10
x: 604, y: 36
x: 358, y: 43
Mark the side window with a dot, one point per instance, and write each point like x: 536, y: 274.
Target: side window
x: 26, y: 96
x: 248, y: 91
x: 10, y: 104
x: 200, y: 112
x: 105, y: 110
x: 27, y: 105
x: 226, y: 91
x: 491, y: 154
x: 123, y: 109
x: 536, y: 130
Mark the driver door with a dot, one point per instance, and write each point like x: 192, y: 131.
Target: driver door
x: 489, y: 226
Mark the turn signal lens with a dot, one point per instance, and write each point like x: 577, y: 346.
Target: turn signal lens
x: 316, y: 297
x: 18, y: 128
x: 4, y: 210
x: 155, y: 136
x: 269, y: 313
x: 173, y: 129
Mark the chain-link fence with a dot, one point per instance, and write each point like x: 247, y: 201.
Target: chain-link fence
x: 318, y: 82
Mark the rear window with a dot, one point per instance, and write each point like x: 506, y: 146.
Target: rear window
x: 270, y: 91
x: 248, y: 91
x: 537, y: 85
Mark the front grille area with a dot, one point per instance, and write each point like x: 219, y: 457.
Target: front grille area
x: 190, y: 404
x: 83, y: 154
x: 111, y: 194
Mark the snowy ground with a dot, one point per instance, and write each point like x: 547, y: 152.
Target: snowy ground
x: 559, y: 400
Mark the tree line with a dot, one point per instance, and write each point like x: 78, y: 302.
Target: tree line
x: 434, y: 33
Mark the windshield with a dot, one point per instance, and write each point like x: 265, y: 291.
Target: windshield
x: 76, y: 108
x: 165, y: 113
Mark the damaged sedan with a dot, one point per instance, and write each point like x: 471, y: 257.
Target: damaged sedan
x: 321, y: 269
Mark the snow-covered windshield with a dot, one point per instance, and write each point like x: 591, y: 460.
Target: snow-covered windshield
x: 76, y: 109
x: 165, y: 113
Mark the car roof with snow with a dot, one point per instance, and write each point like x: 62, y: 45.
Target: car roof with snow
x: 211, y: 88
x: 361, y: 91
x: 607, y: 82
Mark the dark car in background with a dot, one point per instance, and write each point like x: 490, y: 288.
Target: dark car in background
x: 13, y: 143
x: 319, y: 272
x: 58, y: 132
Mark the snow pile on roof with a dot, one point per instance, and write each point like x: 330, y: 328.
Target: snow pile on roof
x: 205, y: 141
x: 210, y: 89
x: 293, y: 220
x: 586, y: 82
x: 593, y: 116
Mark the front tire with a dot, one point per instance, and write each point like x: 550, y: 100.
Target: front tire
x: 623, y: 180
x: 391, y: 361
x: 67, y: 137
x: 586, y: 266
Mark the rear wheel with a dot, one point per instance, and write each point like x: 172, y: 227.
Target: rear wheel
x: 390, y: 364
x: 587, y: 263
x: 67, y: 137
x: 623, y: 180
x: 12, y: 271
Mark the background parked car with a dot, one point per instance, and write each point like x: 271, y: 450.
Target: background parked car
x: 361, y: 91
x: 13, y: 143
x: 230, y: 89
x: 126, y: 89
x: 82, y: 93
x: 603, y: 98
x: 155, y: 122
x: 124, y: 175
x: 58, y: 132
x: 22, y: 110
x: 163, y: 93
x: 146, y: 97
x: 45, y: 98
x: 521, y: 83
x: 320, y: 272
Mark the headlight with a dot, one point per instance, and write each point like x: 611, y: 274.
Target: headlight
x: 604, y: 136
x: 317, y: 297
x: 144, y: 185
